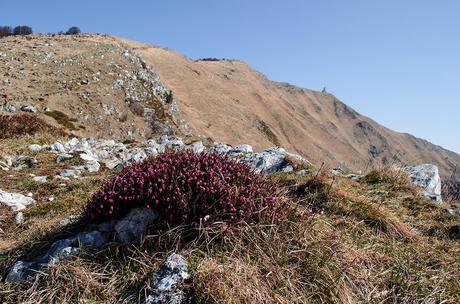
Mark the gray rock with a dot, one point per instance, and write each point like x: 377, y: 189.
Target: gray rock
x: 220, y: 148
x: 15, y: 201
x: 57, y: 147
x: 426, y: 176
x: 354, y: 176
x: 22, y: 162
x: 130, y: 229
x: 88, y: 156
x: 138, y: 155
x: 151, y: 151
x: 19, y: 218
x: 113, y: 164
x: 196, y: 147
x: 167, y: 283
x: 40, y: 179
x: 34, y: 148
x: 92, y: 166
x: 29, y: 108
x: 268, y: 161
x: 70, y: 173
x: 7, y: 107
x: 63, y: 156
x: 245, y: 148
x: 71, y: 144
x: 453, y: 212
x: 59, y: 250
x: 174, y: 145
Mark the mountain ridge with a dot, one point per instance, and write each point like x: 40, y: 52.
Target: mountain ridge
x: 100, y: 85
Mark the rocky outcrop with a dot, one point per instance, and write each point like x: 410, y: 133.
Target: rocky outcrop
x: 59, y: 250
x: 167, y: 283
x: 127, y: 230
x: 426, y: 176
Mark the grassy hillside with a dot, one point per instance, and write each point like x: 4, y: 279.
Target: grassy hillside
x: 340, y: 241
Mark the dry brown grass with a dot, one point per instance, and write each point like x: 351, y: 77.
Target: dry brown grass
x: 340, y: 243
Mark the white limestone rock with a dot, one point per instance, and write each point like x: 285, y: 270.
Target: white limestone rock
x: 426, y: 176
x: 15, y: 201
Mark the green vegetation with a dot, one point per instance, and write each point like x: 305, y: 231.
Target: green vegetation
x: 63, y: 119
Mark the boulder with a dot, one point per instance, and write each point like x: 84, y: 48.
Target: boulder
x: 15, y: 201
x: 167, y: 283
x: 130, y: 228
x: 426, y: 176
x: 268, y: 161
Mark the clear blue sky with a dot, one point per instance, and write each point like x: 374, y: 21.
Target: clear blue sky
x: 396, y: 61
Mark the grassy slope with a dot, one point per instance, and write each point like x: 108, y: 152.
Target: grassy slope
x: 342, y: 242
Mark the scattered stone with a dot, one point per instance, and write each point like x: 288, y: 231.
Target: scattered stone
x: 63, y: 156
x: 354, y: 176
x: 34, y: 148
x: 92, y: 166
x: 57, y: 147
x: 88, y: 156
x: 40, y: 179
x: 7, y: 107
x: 19, y: 218
x: 15, y: 201
x: 70, y: 220
x: 113, y: 164
x: 426, y: 176
x: 29, y: 108
x: 167, y: 283
x: 70, y: 173
x: 130, y: 229
x: 453, y: 212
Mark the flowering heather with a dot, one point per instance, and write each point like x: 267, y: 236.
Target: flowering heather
x: 187, y: 187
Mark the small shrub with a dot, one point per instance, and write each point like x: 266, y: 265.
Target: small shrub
x: 6, y: 31
x: 22, y: 124
x: 185, y: 187
x: 22, y: 30
x: 74, y: 30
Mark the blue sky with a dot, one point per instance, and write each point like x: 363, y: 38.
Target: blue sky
x: 396, y: 61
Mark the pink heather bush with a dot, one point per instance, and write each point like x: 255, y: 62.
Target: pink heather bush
x: 185, y: 187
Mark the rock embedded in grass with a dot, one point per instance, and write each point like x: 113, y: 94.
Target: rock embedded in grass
x: 15, y: 201
x: 167, y: 283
